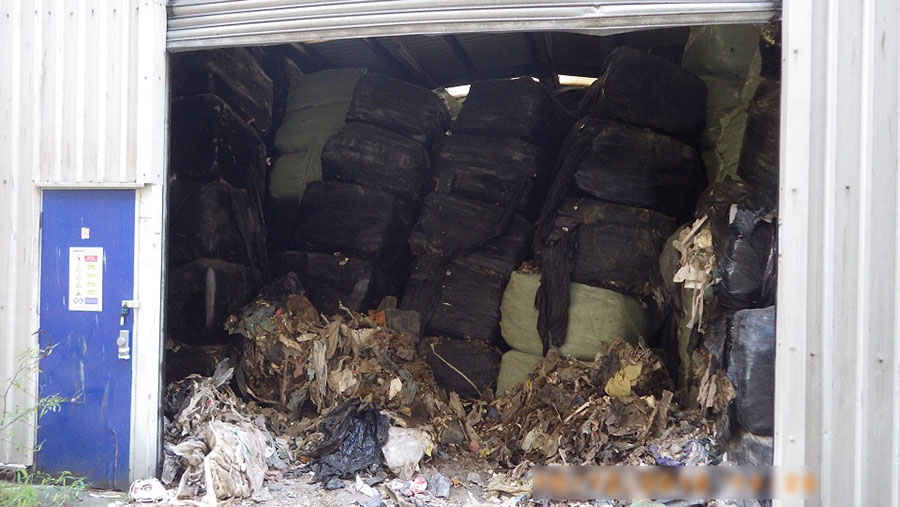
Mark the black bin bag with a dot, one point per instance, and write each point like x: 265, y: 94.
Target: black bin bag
x: 209, y: 142
x: 402, y: 107
x: 359, y: 221
x: 352, y: 437
x: 751, y: 368
x: 465, y: 366
x: 759, y: 153
x: 375, y: 157
x: 638, y: 167
x: 520, y: 107
x: 488, y: 169
x: 648, y: 91
x: 232, y: 74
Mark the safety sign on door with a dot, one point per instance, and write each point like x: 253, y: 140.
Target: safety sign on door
x: 86, y: 279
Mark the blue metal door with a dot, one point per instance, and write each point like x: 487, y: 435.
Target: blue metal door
x: 87, y: 271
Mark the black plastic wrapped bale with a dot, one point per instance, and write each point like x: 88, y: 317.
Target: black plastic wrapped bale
x: 281, y: 221
x: 638, y: 167
x: 576, y: 146
x: 759, y: 153
x: 751, y: 368
x: 355, y: 220
x: 744, y: 242
x: 209, y: 141
x: 521, y: 108
x: 375, y: 157
x: 466, y: 367
x: 468, y: 303
x: 201, y: 295
x: 489, y: 169
x: 648, y: 91
x: 399, y: 106
x: 501, y: 255
x: 215, y: 220
x: 617, y: 246
x: 450, y: 226
x: 232, y: 74
x: 358, y: 284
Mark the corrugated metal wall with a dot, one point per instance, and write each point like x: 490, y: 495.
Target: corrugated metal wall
x: 838, y: 399
x: 76, y: 108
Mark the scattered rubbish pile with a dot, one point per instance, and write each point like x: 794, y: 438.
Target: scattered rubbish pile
x: 346, y: 397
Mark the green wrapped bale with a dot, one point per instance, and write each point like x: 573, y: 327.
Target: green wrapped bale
x: 515, y: 366
x: 292, y: 173
x: 322, y: 88
x: 596, y: 318
x: 302, y: 130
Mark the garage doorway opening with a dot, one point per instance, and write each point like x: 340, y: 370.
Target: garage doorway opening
x: 490, y: 196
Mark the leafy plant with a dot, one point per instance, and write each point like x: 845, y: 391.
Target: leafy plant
x: 28, y: 489
x: 22, y: 487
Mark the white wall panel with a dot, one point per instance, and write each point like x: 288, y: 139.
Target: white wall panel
x: 82, y: 104
x: 838, y: 363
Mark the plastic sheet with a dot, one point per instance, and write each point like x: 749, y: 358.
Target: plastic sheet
x: 465, y: 367
x: 353, y: 435
x: 372, y: 156
x: 597, y: 317
x: 399, y: 106
x: 330, y: 279
x: 209, y: 141
x: 214, y: 220
x: 640, y: 168
x: 520, y: 108
x: 354, y: 220
x: 648, y: 91
x: 201, y: 295
x: 751, y: 368
x: 488, y: 169
x: 759, y: 163
x: 232, y: 74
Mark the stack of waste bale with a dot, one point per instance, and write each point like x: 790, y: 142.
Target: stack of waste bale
x: 222, y: 104
x: 625, y: 175
x: 315, y: 108
x: 721, y: 280
x: 475, y: 228
x: 351, y: 234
